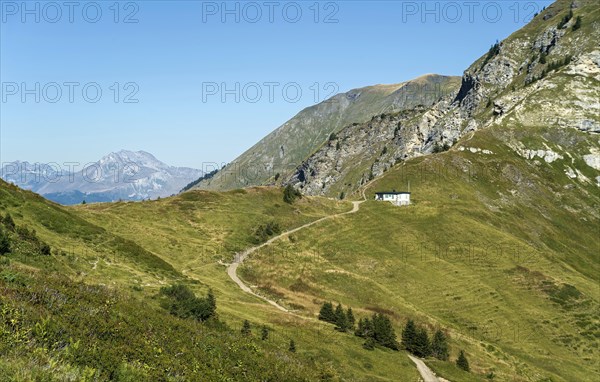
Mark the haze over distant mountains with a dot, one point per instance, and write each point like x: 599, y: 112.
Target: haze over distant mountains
x: 124, y: 175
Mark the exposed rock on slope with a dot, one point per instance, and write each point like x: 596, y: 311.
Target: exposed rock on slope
x: 540, y: 76
x: 285, y: 148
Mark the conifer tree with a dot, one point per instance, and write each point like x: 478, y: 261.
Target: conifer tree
x: 350, y: 318
x: 364, y: 329
x: 292, y: 347
x: 439, y: 346
x: 409, y: 336
x: 577, y: 24
x: 383, y: 331
x: 341, y: 321
x: 422, y: 345
x: 462, y: 361
x: 327, y: 313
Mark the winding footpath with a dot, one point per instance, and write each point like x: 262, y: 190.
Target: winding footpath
x: 426, y: 374
x: 239, y: 258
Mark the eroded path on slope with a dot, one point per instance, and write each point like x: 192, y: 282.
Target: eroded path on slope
x: 239, y: 258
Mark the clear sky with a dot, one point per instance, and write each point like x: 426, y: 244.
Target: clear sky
x: 186, y: 62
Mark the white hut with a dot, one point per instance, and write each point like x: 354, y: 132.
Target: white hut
x: 396, y: 198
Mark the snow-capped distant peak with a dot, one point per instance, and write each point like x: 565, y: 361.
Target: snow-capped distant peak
x: 125, y: 174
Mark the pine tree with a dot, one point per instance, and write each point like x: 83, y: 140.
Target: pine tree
x: 439, y: 346
x: 364, y: 329
x: 350, y: 318
x: 462, y: 361
x: 577, y: 24
x: 292, y: 347
x: 341, y: 321
x: 327, y: 314
x: 409, y: 336
x: 246, y: 328
x: 422, y: 345
x: 264, y: 334
x: 383, y: 331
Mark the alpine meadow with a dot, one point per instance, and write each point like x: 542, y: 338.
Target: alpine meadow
x: 444, y: 228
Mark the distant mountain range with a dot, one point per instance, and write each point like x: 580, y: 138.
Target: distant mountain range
x: 124, y: 175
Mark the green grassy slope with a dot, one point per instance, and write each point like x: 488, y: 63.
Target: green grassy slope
x: 89, y: 312
x: 196, y: 230
x: 501, y: 250
x: 55, y: 329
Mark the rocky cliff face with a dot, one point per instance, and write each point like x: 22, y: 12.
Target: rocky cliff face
x: 547, y: 74
x: 277, y: 155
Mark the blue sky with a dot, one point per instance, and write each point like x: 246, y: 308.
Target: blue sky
x: 180, y: 56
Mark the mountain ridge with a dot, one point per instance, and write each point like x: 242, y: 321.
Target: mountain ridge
x: 281, y: 151
x: 121, y: 175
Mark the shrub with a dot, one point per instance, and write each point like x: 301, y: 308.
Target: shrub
x: 264, y: 334
x: 9, y: 222
x: 290, y: 194
x: 246, y: 330
x: 183, y: 303
x: 45, y: 249
x: 265, y: 231
x: 4, y: 243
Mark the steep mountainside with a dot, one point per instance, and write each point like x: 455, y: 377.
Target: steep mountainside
x: 543, y: 75
x: 280, y: 152
x: 124, y: 175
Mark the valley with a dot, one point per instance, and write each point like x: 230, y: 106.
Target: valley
x: 496, y: 260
